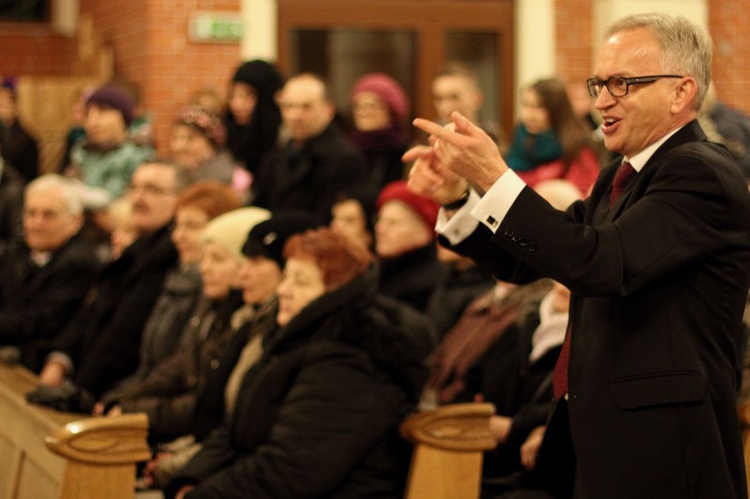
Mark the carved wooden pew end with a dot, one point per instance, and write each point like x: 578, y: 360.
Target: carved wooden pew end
x: 449, y: 443
x: 101, y: 454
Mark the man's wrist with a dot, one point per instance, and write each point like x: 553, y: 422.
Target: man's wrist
x: 458, y: 203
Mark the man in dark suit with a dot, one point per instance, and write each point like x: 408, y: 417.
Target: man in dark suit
x: 658, y: 266
x: 317, y: 163
x: 100, y: 345
x: 47, y: 273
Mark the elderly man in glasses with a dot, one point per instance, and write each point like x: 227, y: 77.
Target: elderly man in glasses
x: 658, y: 262
x: 100, y: 345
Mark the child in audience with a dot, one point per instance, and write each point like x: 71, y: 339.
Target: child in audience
x: 550, y: 141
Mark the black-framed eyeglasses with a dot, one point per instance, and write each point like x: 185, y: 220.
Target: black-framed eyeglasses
x: 618, y: 86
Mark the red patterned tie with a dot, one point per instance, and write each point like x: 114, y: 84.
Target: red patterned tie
x: 560, y: 374
x: 624, y: 175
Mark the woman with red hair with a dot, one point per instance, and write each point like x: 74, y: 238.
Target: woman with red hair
x: 318, y: 416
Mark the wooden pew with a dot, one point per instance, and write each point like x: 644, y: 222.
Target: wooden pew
x: 48, y: 454
x: 448, y: 448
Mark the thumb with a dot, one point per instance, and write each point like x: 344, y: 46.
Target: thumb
x: 463, y: 125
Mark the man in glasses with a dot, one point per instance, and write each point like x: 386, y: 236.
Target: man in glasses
x: 658, y: 262
x: 100, y: 345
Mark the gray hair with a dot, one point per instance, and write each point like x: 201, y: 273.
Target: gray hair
x: 69, y: 191
x: 686, y: 48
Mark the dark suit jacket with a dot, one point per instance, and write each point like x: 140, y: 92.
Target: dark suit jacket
x: 37, y: 302
x: 104, y: 338
x: 309, y: 178
x: 659, y: 284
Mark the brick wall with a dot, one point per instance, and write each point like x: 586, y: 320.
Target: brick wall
x: 152, y: 49
x: 731, y: 69
x: 573, y: 37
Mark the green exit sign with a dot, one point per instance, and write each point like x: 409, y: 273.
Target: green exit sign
x: 216, y: 27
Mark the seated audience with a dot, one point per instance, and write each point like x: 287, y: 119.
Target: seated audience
x: 550, y: 142
x: 196, y: 207
x: 17, y: 146
x: 253, y: 117
x: 106, y: 158
x: 254, y: 324
x: 353, y: 214
x: 380, y: 110
x: 197, y: 144
x: 462, y: 281
x: 515, y: 374
x: 100, y: 345
x: 316, y: 163
x: 318, y: 415
x: 406, y: 247
x: 47, y: 274
x: 168, y: 393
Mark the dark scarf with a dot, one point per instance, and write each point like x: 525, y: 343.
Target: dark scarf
x: 386, y: 139
x: 531, y: 150
x: 248, y: 143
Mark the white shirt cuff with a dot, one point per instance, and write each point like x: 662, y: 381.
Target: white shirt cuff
x: 495, y: 204
x: 461, y: 224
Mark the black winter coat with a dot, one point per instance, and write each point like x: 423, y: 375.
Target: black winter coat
x: 309, y: 178
x: 104, y: 339
x: 318, y: 416
x: 37, y: 302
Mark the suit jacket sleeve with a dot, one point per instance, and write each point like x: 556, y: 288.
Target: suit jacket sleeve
x: 690, y: 208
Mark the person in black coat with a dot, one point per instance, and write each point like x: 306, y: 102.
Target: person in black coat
x: 380, y: 110
x: 12, y: 187
x: 47, y: 274
x: 254, y: 324
x: 316, y: 164
x: 17, y: 146
x: 318, y: 416
x: 253, y: 117
x: 406, y: 247
x: 658, y: 266
x: 100, y: 346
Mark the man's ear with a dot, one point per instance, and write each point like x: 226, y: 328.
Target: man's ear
x: 684, y: 95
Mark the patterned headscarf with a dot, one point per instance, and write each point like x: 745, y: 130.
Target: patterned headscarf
x: 207, y: 123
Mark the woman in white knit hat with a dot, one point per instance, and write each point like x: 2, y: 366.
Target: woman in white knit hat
x: 168, y: 394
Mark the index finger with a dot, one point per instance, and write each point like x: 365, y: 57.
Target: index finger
x: 428, y: 126
x: 444, y: 133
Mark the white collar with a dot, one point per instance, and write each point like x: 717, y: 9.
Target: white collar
x: 639, y: 160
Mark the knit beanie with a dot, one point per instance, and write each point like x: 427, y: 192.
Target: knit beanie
x: 387, y: 89
x: 268, y: 238
x: 262, y: 76
x: 426, y: 208
x: 230, y: 229
x: 116, y: 98
x: 205, y: 122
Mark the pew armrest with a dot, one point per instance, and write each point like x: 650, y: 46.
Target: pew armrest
x: 103, y: 440
x: 456, y: 427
